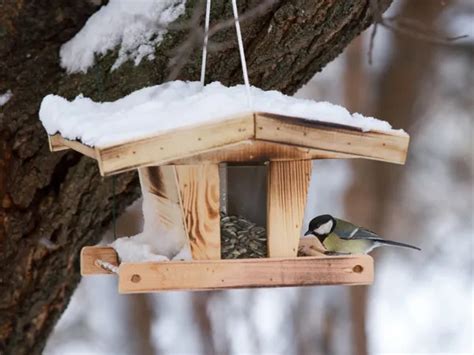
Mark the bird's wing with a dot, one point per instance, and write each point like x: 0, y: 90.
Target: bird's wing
x: 344, y: 229
x: 363, y: 233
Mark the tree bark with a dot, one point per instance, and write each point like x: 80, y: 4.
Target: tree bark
x: 51, y: 205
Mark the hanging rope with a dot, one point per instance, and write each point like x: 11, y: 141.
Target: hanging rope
x: 239, y: 41
x: 114, y: 208
x: 204, y: 46
x: 107, y: 266
x: 242, y: 52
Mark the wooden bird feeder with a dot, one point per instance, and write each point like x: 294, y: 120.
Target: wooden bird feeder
x: 181, y: 169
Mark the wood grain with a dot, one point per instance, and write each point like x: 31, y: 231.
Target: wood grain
x: 386, y: 146
x: 199, y: 189
x: 245, y: 273
x: 58, y: 143
x: 286, y: 200
x: 161, y: 149
x: 89, y: 255
x: 250, y: 137
x: 255, y: 151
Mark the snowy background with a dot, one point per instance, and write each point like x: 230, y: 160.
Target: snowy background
x: 419, y: 303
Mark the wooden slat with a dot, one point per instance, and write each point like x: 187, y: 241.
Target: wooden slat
x: 286, y: 200
x: 224, y: 274
x: 199, y: 187
x: 175, y: 145
x: 58, y: 143
x: 254, y: 151
x: 89, y: 255
x: 251, y: 137
x: 391, y: 147
x: 311, y: 246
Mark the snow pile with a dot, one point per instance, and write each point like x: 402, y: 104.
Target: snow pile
x: 159, y: 241
x: 4, y: 98
x: 177, y: 104
x: 140, y: 248
x: 136, y: 26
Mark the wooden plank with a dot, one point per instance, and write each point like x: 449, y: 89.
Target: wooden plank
x: 225, y: 274
x: 174, y: 145
x: 89, y: 256
x: 287, y: 191
x: 58, y: 143
x: 200, y: 198
x: 162, y: 212
x: 391, y: 147
x: 256, y: 151
x: 310, y: 246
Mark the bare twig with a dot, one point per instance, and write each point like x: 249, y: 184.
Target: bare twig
x: 377, y: 13
x: 407, y: 27
x: 416, y: 30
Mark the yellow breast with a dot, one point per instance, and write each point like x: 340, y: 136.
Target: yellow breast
x: 335, y: 244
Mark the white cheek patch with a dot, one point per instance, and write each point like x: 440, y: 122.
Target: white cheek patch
x: 324, y: 228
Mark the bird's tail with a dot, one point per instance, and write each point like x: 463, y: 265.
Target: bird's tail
x: 395, y: 244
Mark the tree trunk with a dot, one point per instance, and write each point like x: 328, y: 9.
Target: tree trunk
x: 51, y: 205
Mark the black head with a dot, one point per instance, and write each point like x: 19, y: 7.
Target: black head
x: 321, y: 226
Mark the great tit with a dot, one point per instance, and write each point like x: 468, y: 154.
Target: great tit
x: 342, y: 237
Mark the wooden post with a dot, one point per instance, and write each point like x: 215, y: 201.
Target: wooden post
x: 286, y: 200
x: 200, y: 200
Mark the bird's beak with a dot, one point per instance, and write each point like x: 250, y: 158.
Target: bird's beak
x: 308, y: 232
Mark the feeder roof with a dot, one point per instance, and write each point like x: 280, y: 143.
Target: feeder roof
x: 181, y: 123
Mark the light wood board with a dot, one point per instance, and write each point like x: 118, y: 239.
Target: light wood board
x: 391, y: 147
x: 251, y: 137
x: 200, y: 199
x: 245, y: 273
x: 175, y: 145
x: 58, y: 143
x: 90, y: 255
x: 286, y: 200
x: 255, y: 151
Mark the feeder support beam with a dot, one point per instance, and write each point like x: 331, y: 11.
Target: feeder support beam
x: 287, y: 191
x: 200, y: 202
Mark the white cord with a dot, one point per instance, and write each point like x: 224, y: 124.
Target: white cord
x: 107, y: 266
x: 242, y: 52
x: 204, y: 46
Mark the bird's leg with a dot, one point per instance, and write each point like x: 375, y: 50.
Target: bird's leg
x: 335, y: 253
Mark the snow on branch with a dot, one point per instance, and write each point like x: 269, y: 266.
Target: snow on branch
x: 5, y: 97
x: 136, y: 27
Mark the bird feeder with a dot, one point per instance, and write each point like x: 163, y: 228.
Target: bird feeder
x: 181, y: 168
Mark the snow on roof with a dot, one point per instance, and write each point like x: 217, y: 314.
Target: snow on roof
x: 137, y: 27
x: 158, y: 109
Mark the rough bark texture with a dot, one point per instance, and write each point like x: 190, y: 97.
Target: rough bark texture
x: 53, y: 204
